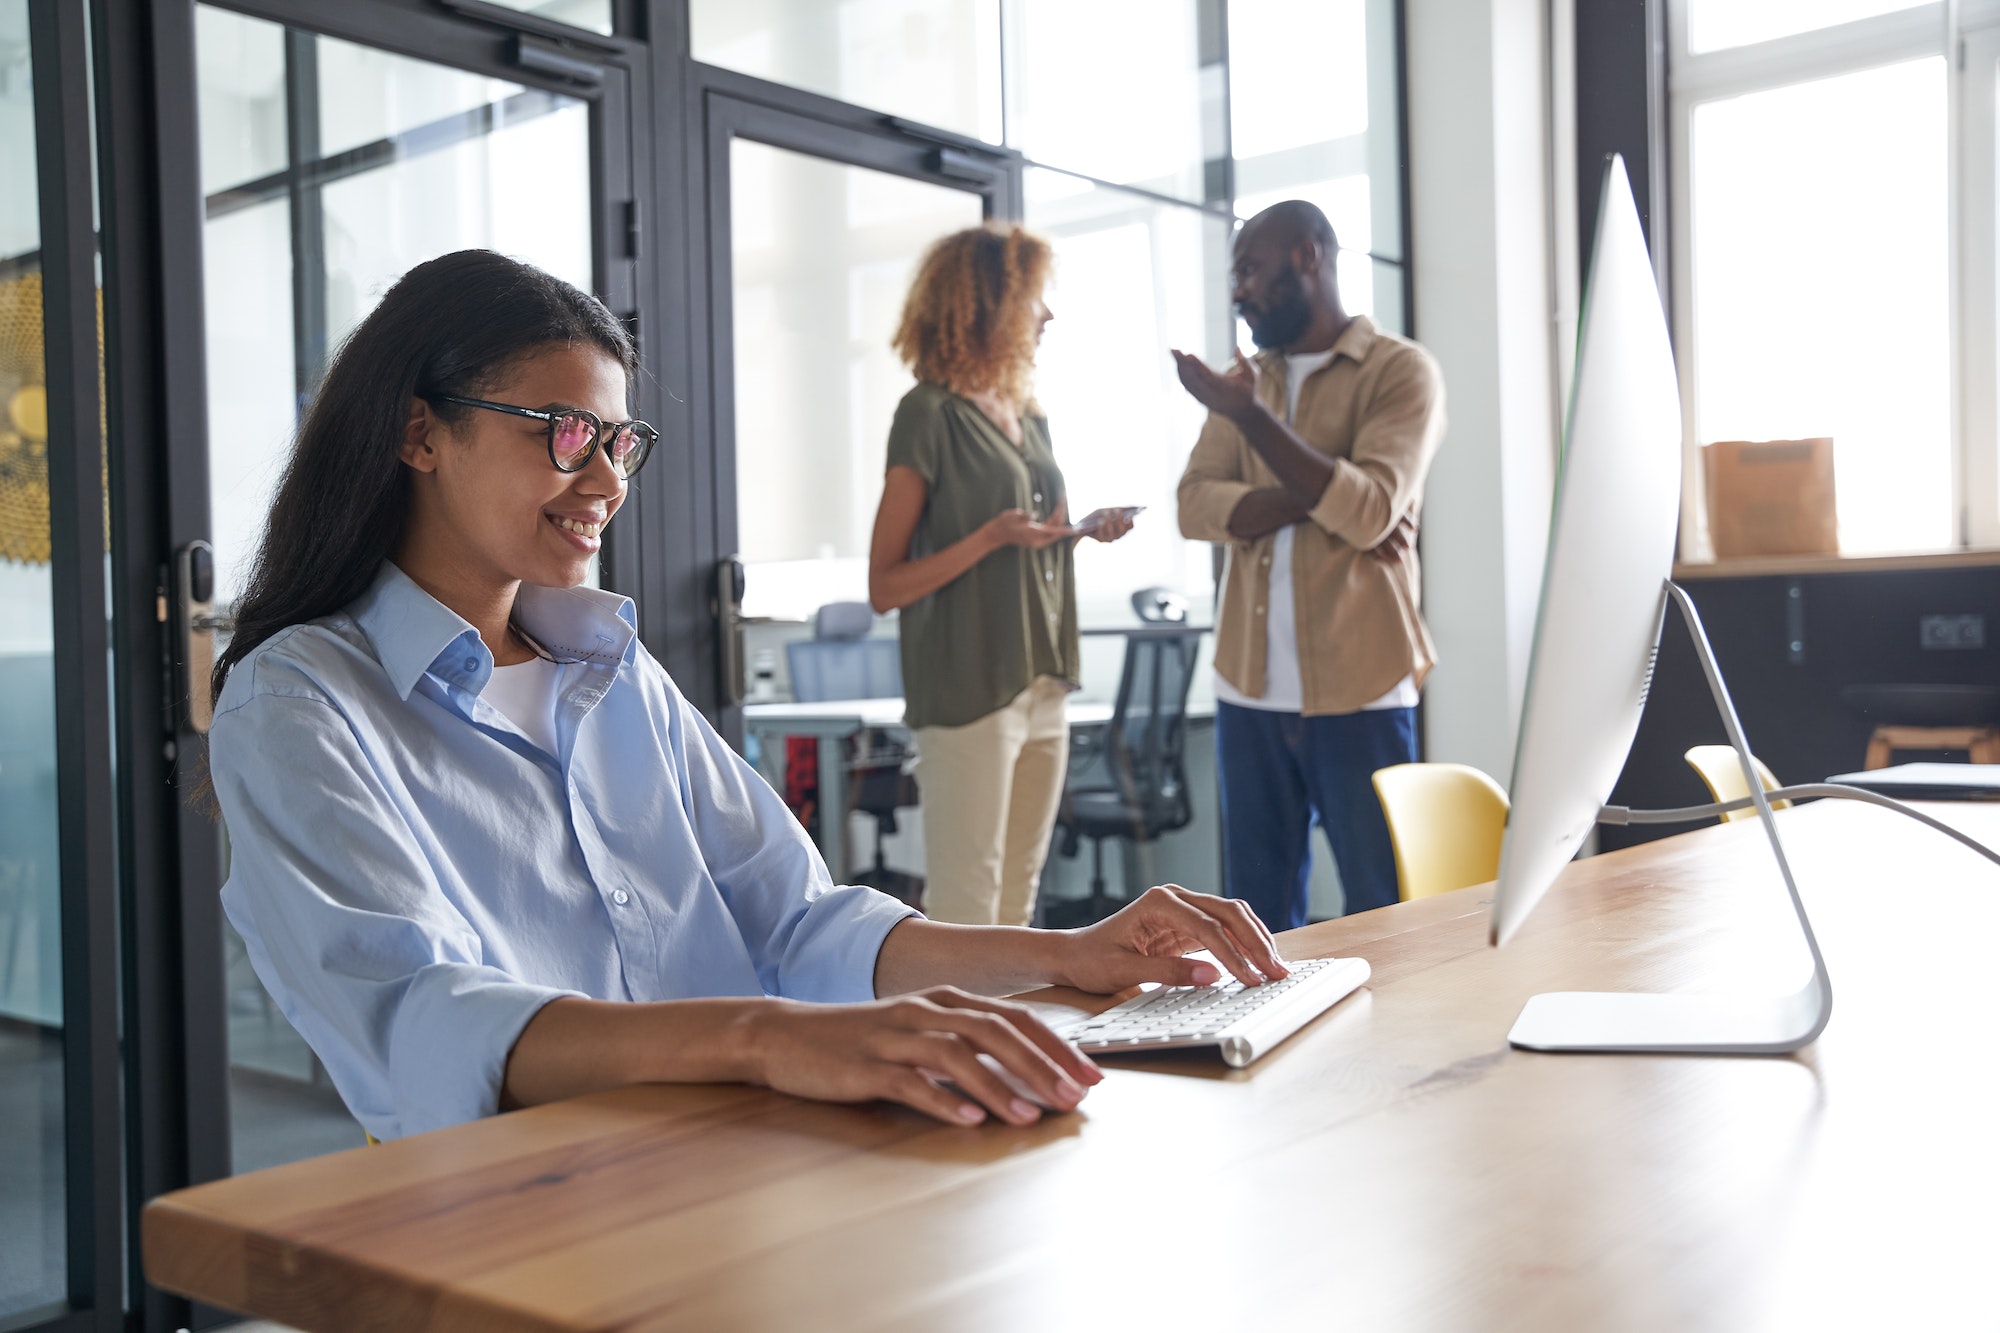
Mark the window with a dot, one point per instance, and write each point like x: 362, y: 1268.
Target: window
x: 935, y: 61
x: 1287, y: 101
x: 822, y: 254
x: 1134, y: 277
x: 1714, y: 25
x: 1833, y: 263
x: 1314, y: 116
x: 1137, y: 167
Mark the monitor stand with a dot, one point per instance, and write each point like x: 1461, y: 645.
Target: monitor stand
x: 1691, y: 1024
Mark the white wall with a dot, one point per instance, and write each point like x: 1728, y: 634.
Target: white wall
x: 1480, y: 177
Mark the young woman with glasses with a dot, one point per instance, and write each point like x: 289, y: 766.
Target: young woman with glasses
x: 485, y: 855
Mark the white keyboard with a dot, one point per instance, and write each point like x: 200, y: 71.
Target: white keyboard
x: 1244, y: 1021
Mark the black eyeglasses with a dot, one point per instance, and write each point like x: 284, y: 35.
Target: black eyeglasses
x: 574, y: 435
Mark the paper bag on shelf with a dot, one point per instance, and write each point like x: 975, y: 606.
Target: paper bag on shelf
x: 1771, y: 497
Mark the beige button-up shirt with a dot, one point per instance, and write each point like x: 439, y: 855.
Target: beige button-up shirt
x: 1377, y: 410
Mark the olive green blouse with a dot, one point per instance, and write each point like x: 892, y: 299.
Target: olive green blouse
x: 977, y: 642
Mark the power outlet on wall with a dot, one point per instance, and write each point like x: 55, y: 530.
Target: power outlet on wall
x: 1968, y: 631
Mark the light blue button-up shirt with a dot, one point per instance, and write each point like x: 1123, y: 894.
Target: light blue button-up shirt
x: 415, y: 878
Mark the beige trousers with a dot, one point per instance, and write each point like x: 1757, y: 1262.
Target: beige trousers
x: 990, y: 790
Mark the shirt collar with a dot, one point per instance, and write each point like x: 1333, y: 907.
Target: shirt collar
x: 414, y: 633
x: 587, y: 624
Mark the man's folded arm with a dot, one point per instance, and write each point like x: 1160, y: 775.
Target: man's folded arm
x: 1213, y: 486
x: 1383, y: 478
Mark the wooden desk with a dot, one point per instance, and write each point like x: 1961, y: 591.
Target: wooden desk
x: 1394, y: 1166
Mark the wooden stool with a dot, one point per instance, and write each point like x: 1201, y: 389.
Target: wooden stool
x: 1982, y: 744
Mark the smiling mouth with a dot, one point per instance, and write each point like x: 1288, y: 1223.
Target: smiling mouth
x: 577, y: 526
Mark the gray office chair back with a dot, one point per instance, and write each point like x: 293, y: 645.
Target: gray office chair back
x: 1148, y: 740
x: 840, y: 661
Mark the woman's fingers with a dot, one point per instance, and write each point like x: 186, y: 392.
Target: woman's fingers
x: 1245, y: 929
x: 910, y: 1086
x: 1079, y: 1067
x: 979, y: 1032
x: 1197, y: 921
x: 1241, y: 922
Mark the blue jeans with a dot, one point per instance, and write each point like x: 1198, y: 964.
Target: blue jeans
x: 1279, y: 773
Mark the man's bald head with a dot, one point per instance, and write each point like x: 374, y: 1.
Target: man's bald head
x: 1291, y: 224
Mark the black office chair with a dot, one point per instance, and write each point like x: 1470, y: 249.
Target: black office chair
x: 1131, y: 782
x: 840, y: 661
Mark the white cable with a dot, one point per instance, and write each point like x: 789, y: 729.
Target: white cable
x: 1620, y: 814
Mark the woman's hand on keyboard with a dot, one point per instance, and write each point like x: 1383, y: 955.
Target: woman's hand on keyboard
x: 899, y: 1049
x: 1145, y: 941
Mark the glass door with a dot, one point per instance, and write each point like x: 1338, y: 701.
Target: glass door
x: 33, y: 1257
x: 816, y: 236
x: 329, y: 167
x: 821, y: 254
x: 59, y: 1126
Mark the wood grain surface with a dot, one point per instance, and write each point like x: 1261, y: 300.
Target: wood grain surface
x: 1396, y: 1165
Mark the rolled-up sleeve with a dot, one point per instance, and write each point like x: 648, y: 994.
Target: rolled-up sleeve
x: 1383, y: 476
x: 348, y: 927
x: 811, y: 939
x: 1213, y: 485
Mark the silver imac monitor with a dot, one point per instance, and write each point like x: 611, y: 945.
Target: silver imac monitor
x: 1605, y: 590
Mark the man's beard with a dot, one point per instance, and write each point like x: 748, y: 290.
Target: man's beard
x: 1285, y: 315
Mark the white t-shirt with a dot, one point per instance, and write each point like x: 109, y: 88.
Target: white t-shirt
x: 526, y: 694
x: 1284, y: 687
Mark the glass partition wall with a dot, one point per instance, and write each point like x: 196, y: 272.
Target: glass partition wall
x: 33, y: 1254
x: 1137, y: 168
x: 59, y: 1114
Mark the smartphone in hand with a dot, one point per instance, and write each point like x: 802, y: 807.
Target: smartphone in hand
x: 1092, y: 522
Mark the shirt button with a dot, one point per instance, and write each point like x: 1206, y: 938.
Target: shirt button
x: 1050, y: 575
x: 1260, y: 610
x: 1267, y: 559
x: 620, y: 897
x: 472, y: 664
x: 1038, y: 497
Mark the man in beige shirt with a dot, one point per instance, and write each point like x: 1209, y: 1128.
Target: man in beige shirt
x: 1310, y: 469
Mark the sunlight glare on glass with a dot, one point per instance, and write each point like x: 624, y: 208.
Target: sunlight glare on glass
x: 1820, y: 274
x: 1345, y: 200
x: 935, y: 61
x: 1715, y: 24
x: 1298, y: 74
x: 1132, y: 279
x: 1135, y: 120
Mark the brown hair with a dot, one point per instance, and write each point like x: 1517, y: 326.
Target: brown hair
x: 969, y: 320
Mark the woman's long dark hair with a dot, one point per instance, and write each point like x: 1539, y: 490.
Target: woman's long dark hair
x: 455, y: 325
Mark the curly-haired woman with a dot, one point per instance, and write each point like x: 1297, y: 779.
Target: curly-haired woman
x: 972, y: 543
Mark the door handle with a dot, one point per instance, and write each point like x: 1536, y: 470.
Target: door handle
x: 728, y: 606
x: 194, y: 626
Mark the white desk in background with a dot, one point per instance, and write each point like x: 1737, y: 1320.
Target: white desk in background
x: 830, y: 724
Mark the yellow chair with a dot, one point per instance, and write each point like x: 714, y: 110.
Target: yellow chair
x: 1723, y: 776
x: 1445, y: 823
